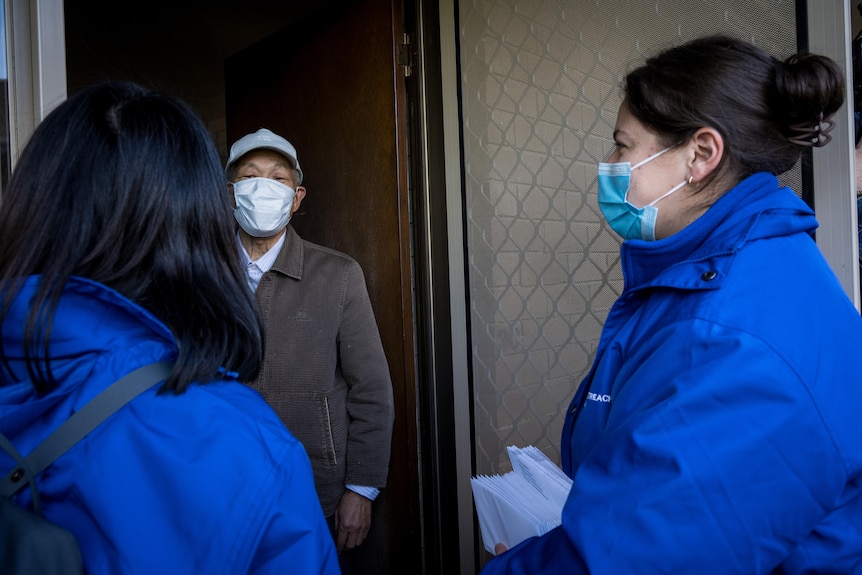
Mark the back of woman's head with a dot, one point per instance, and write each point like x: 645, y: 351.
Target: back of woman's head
x: 766, y: 110
x: 123, y: 186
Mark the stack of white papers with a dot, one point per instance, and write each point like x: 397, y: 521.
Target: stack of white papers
x: 525, y: 502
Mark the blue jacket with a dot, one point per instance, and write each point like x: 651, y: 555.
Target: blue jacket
x: 720, y: 427
x: 209, y: 481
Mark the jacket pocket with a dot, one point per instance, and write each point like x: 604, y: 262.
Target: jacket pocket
x: 319, y: 421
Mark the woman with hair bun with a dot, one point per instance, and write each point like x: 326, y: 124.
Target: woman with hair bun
x: 732, y: 441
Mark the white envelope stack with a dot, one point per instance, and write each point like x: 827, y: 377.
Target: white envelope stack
x: 525, y: 502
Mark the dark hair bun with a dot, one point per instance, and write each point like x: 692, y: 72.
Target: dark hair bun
x: 809, y: 89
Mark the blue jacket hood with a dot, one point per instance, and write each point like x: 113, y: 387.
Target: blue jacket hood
x: 111, y: 324
x: 208, y: 481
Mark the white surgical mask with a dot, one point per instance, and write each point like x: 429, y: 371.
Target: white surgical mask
x: 263, y: 206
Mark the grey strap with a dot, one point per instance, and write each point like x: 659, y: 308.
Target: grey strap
x: 79, y: 425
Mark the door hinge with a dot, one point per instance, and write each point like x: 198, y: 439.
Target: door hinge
x: 405, y: 55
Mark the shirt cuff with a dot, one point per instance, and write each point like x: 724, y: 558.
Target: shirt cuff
x: 367, y: 492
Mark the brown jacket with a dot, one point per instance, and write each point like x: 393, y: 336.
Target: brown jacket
x: 324, y: 370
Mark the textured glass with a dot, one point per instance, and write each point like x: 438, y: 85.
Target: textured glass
x: 540, y: 88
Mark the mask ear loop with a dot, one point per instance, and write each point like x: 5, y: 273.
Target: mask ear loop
x: 672, y: 190
x: 653, y: 157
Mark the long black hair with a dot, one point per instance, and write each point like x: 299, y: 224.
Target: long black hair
x: 124, y: 186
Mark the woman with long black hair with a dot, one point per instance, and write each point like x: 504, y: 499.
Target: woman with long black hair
x: 116, y: 250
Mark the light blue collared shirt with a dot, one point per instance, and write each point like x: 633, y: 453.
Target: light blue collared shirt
x: 254, y: 270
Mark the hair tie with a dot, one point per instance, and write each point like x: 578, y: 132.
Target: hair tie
x: 813, y: 135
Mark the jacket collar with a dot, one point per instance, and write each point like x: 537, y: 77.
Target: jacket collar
x: 91, y: 318
x: 290, y: 259
x: 755, y: 208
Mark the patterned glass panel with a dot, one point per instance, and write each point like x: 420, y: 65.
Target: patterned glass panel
x: 540, y: 88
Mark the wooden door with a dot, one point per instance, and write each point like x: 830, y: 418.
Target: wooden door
x: 330, y: 84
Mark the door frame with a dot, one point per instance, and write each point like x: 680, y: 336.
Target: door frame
x: 834, y: 167
x: 35, y: 55
x: 36, y: 65
x: 442, y: 318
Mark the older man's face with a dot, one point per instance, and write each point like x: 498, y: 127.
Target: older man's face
x: 266, y: 164
x: 272, y: 165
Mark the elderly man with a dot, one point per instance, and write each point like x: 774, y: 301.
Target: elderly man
x: 324, y: 369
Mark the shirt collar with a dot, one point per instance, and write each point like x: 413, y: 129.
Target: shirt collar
x: 254, y: 270
x: 264, y: 262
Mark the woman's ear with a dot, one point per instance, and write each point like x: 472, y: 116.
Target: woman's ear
x: 708, y: 148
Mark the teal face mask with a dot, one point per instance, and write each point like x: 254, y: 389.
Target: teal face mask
x: 632, y: 223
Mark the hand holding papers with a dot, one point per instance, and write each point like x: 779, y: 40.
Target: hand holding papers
x: 525, y: 502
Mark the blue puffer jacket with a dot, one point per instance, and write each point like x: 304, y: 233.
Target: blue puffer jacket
x: 209, y: 481
x: 720, y: 427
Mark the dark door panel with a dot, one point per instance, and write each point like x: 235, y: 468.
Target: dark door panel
x: 329, y: 83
